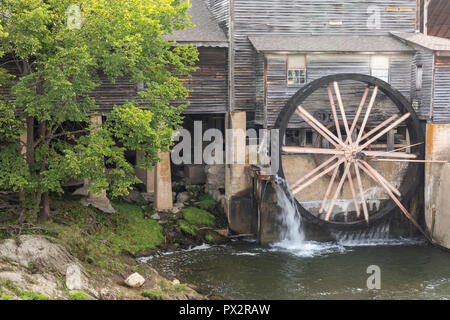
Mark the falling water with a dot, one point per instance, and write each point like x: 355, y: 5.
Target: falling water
x: 290, y: 218
x: 293, y: 237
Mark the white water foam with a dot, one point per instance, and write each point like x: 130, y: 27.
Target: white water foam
x: 147, y: 259
x: 293, y: 237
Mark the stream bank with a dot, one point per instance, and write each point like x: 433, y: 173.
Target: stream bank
x: 101, y: 250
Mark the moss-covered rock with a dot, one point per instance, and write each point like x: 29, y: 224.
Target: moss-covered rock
x: 198, y: 217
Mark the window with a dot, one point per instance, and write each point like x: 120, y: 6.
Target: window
x: 296, y: 70
x: 379, y: 67
x: 419, y: 77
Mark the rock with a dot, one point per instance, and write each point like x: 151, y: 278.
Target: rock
x: 73, y: 277
x: 155, y: 216
x: 107, y: 294
x: 176, y: 282
x: 183, y: 197
x: 148, y: 197
x: 81, y: 191
x: 179, y: 205
x: 135, y: 280
x: 176, y: 210
x: 37, y: 251
x: 101, y: 203
x: 136, y: 197
x: 49, y: 261
x: 215, y: 176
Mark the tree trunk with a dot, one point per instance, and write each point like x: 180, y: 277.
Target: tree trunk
x: 30, y: 142
x: 44, y: 213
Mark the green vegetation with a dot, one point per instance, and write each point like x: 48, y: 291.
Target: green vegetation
x: 153, y: 294
x: 58, y: 63
x: 24, y: 295
x: 78, y: 296
x: 209, y: 238
x: 187, y: 227
x: 198, y: 217
x: 206, y: 201
x: 97, y: 238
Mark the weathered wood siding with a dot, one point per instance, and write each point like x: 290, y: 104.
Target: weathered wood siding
x: 278, y: 92
x: 209, y: 83
x: 424, y: 58
x: 441, y: 100
x: 290, y: 17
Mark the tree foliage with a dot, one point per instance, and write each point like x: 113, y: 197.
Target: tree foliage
x: 59, y: 68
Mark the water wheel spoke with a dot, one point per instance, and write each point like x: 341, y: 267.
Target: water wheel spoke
x: 371, y: 174
x: 367, y: 114
x: 402, y: 148
x: 310, y: 174
x: 333, y: 110
x: 401, y: 155
x: 385, y: 130
x: 358, y: 112
x: 341, y: 108
x: 352, y: 189
x: 338, y: 190
x: 319, y: 127
x: 361, y: 193
x: 312, y: 180
x: 387, y: 183
x: 306, y: 150
x: 380, y: 126
x: 328, y: 191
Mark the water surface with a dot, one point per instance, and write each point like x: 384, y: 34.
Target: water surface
x: 311, y: 270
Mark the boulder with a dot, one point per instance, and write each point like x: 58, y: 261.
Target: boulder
x: 135, y: 280
x: 37, y: 251
x: 73, y: 277
x: 183, y: 197
x: 155, y: 216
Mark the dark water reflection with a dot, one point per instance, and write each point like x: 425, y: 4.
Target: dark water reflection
x: 409, y: 270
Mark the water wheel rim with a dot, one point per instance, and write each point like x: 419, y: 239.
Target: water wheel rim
x: 414, y: 172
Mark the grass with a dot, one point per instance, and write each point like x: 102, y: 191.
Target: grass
x: 187, y: 227
x: 97, y: 238
x: 206, y: 201
x: 78, y: 296
x: 24, y: 295
x: 198, y: 217
x: 153, y: 294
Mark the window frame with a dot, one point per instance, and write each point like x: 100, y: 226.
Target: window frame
x: 304, y: 70
x: 387, y: 69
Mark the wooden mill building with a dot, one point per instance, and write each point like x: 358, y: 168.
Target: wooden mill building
x: 255, y: 55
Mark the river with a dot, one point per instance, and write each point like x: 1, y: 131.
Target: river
x: 295, y: 268
x: 244, y: 270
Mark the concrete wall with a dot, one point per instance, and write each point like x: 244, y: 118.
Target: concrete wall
x: 437, y: 184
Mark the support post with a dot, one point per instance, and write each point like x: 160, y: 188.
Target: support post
x: 163, y: 183
x: 145, y: 175
x: 99, y: 201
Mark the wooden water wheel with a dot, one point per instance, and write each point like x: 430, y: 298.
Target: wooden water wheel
x: 353, y: 146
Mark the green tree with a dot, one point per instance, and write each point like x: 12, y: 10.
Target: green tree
x: 59, y: 55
